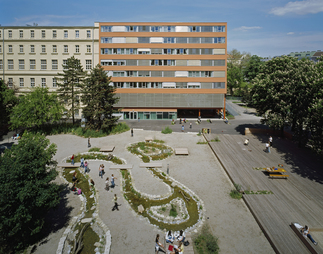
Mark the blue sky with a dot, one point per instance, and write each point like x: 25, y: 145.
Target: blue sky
x: 261, y: 27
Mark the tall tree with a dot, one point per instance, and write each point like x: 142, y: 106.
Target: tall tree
x: 70, y: 84
x: 7, y: 101
x: 234, y: 78
x: 253, y: 67
x: 99, y: 98
x: 27, y: 191
x: 35, y: 109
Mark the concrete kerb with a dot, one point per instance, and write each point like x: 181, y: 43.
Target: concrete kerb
x: 77, y: 218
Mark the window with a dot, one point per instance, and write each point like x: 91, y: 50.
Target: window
x: 43, y: 33
x: 65, y: 34
x: 64, y: 64
x: 77, y: 112
x: 54, y: 82
x: 54, y: 64
x: 54, y: 34
x: 10, y: 64
x: 1, y: 64
x: 10, y: 33
x: 219, y: 40
x: 88, y: 33
x: 107, y: 29
x: 88, y: 48
x: 32, y: 48
x: 32, y: 82
x: 54, y: 48
x: 77, y: 34
x: 131, y: 29
x: 169, y: 40
x: 43, y: 48
x: 77, y: 48
x: 21, y: 34
x: 43, y: 82
x: 65, y: 48
x: 21, y: 48
x: 194, y: 29
x: 106, y: 39
x: 21, y: 82
x: 32, y: 33
x: 10, y: 48
x: 43, y: 64
x: 21, y: 64
x: 32, y: 64
x: 10, y: 82
x: 219, y: 29
x: 88, y: 64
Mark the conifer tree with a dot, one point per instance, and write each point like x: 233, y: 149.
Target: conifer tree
x: 70, y: 84
x: 98, y: 99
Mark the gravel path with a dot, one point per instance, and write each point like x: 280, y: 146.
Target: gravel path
x: 229, y: 219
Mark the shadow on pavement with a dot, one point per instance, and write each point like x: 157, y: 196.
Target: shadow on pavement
x: 241, y: 128
x: 56, y: 218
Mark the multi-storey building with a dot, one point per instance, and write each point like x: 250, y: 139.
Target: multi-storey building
x: 160, y: 70
x: 166, y: 70
x: 32, y: 56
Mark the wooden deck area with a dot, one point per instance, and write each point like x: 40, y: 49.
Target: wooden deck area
x: 298, y: 199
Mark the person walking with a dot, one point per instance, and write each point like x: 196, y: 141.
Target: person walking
x: 88, y: 143
x: 271, y: 141
x: 85, y: 167
x: 115, y: 200
x: 101, y: 170
x: 107, y: 184
x: 72, y: 159
x: 183, y: 128
x: 82, y: 162
x: 112, y: 181
x: 190, y: 125
x: 131, y: 132
x: 267, y: 148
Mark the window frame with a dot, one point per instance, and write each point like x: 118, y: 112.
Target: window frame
x: 21, y: 81
x: 21, y: 63
x: 43, y: 82
x: 10, y: 64
x: 65, y: 34
x: 32, y: 65
x: 32, y: 82
x: 43, y: 64
x: 54, y: 65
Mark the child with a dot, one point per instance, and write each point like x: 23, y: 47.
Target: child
x: 112, y: 181
x: 107, y: 186
x: 85, y: 165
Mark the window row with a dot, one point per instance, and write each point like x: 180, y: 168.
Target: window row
x: 162, y: 39
x: 203, y: 74
x: 43, y: 64
x: 162, y: 28
x: 32, y: 82
x: 160, y: 51
x: 199, y: 85
x: 53, y: 32
x: 44, y: 49
x: 159, y: 62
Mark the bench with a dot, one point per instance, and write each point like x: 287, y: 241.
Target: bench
x: 181, y: 151
x: 148, y: 139
x: 69, y: 165
x: 151, y: 165
x: 121, y: 166
x: 306, y: 241
x: 107, y: 149
x: 278, y: 176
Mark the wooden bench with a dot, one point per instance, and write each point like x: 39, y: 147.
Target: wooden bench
x: 278, y: 176
x: 148, y: 139
x: 181, y: 151
x: 107, y: 149
x: 151, y: 165
x: 121, y: 166
x: 69, y: 165
x: 310, y: 246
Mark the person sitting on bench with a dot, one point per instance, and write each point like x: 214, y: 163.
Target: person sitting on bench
x: 306, y: 233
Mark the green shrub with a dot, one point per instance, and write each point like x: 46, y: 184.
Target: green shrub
x: 173, y: 212
x: 167, y: 130
x: 205, y: 242
x: 216, y: 139
x: 94, y: 149
x: 236, y: 192
x: 145, y: 159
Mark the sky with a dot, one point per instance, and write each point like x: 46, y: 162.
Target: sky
x: 265, y: 28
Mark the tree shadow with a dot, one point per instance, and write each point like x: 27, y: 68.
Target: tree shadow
x: 301, y: 161
x: 56, y: 218
x: 241, y: 128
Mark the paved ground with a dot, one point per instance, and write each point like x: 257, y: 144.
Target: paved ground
x: 229, y: 219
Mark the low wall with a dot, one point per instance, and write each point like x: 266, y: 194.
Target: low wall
x: 253, y: 131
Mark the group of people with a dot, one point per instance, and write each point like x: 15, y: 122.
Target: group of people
x: 170, y: 238
x: 268, y: 144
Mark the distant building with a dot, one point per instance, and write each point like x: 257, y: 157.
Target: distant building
x: 303, y: 54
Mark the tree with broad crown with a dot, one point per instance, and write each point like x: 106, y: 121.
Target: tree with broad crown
x: 70, y: 84
x: 7, y: 101
x: 27, y: 191
x: 98, y: 99
x: 283, y: 91
x: 35, y: 109
x: 252, y: 68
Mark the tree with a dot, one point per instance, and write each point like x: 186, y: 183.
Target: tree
x: 234, y: 78
x: 252, y: 68
x: 283, y: 92
x: 98, y: 99
x: 7, y: 101
x: 27, y: 191
x: 70, y: 85
x: 35, y: 109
